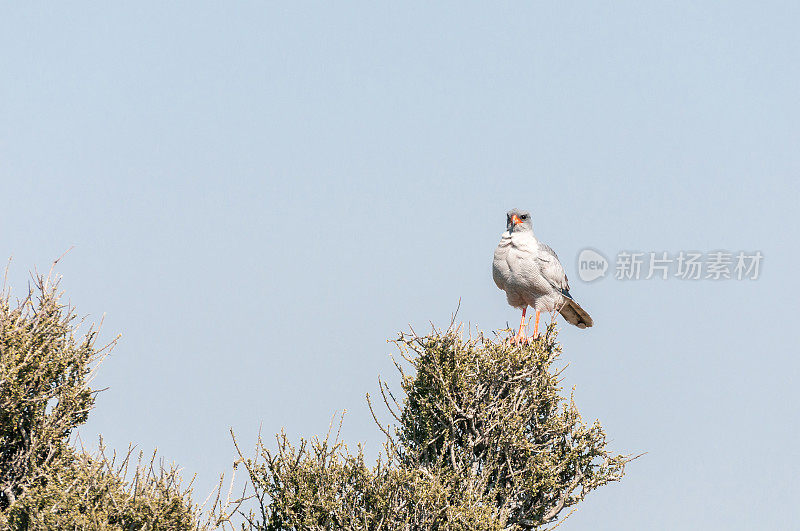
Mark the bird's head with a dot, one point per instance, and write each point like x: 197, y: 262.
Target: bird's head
x: 519, y: 221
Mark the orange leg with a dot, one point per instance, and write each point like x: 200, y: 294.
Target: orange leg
x: 520, y: 334
x: 536, y: 326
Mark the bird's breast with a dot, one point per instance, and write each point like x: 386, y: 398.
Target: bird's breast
x: 524, y: 273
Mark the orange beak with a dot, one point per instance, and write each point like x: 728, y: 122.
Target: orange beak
x: 515, y: 219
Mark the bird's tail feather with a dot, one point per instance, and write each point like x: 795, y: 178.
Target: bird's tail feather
x: 574, y: 314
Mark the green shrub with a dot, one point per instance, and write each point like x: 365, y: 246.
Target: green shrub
x: 482, y: 439
x: 45, y: 372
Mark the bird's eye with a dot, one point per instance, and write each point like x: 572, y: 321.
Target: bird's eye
x: 524, y: 216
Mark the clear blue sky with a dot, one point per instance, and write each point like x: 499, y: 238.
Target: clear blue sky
x: 260, y: 194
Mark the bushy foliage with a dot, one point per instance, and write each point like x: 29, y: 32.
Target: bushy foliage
x: 483, y: 439
x: 46, y: 368
x: 93, y: 492
x: 43, y: 390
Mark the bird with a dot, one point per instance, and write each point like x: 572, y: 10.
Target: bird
x: 531, y: 275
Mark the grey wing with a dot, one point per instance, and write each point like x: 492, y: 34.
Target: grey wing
x: 500, y: 270
x: 552, y: 270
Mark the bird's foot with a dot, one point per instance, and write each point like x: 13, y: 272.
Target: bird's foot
x: 524, y: 340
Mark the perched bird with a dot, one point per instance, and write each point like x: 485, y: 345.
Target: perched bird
x: 531, y: 275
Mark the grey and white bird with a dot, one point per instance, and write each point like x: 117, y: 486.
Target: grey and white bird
x: 531, y: 275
